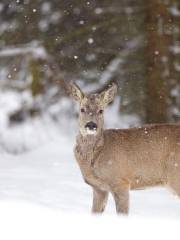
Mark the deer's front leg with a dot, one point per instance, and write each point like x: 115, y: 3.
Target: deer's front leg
x: 94, y: 181
x: 99, y: 200
x: 121, y: 198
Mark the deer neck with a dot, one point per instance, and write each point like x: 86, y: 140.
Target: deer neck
x: 90, y: 146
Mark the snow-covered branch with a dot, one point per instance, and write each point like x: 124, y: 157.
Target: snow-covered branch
x: 34, y: 48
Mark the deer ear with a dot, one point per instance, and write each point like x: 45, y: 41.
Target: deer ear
x: 108, y: 95
x: 75, y: 91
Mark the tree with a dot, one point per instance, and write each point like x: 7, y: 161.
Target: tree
x: 95, y: 42
x: 175, y: 62
x: 160, y: 74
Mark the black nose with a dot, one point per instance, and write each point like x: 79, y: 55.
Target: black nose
x: 91, y: 126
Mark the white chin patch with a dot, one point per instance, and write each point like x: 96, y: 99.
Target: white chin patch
x: 91, y: 132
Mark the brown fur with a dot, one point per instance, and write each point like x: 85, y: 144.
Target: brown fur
x: 117, y: 160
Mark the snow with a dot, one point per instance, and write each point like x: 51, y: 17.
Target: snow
x: 175, y: 11
x: 90, y: 40
x: 175, y: 49
x: 81, y: 22
x: 177, y: 67
x: 28, y: 135
x: 33, y: 48
x: 98, y: 10
x: 46, y: 7
x: 111, y: 69
x: 25, y: 221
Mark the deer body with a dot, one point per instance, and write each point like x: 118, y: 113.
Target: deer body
x: 117, y: 160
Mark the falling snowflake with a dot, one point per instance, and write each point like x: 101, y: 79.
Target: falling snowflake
x: 175, y: 164
x: 94, y: 28
x: 9, y: 76
x: 90, y: 40
x: 145, y: 131
x: 81, y: 22
x: 98, y: 10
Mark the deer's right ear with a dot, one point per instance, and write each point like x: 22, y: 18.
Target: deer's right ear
x: 75, y: 91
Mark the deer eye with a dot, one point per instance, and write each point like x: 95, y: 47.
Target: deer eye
x: 100, y: 111
x: 82, y: 110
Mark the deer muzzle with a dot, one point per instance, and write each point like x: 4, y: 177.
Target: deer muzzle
x: 91, y: 128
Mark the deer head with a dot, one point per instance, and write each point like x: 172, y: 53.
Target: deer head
x: 91, y: 111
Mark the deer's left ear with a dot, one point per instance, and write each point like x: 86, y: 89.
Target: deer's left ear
x: 108, y: 95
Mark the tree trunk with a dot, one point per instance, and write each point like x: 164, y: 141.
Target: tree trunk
x: 159, y: 37
x: 175, y: 63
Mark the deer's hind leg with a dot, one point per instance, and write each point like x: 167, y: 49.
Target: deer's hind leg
x: 173, y: 173
x: 174, y: 183
x: 99, y: 200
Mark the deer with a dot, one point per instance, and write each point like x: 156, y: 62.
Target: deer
x: 116, y: 161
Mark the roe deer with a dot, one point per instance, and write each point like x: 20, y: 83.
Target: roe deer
x: 117, y: 160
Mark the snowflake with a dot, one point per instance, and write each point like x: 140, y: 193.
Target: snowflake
x: 145, y: 131
x: 175, y: 164
x: 9, y: 76
x: 81, y: 22
x: 94, y: 28
x: 98, y: 10
x: 90, y: 40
